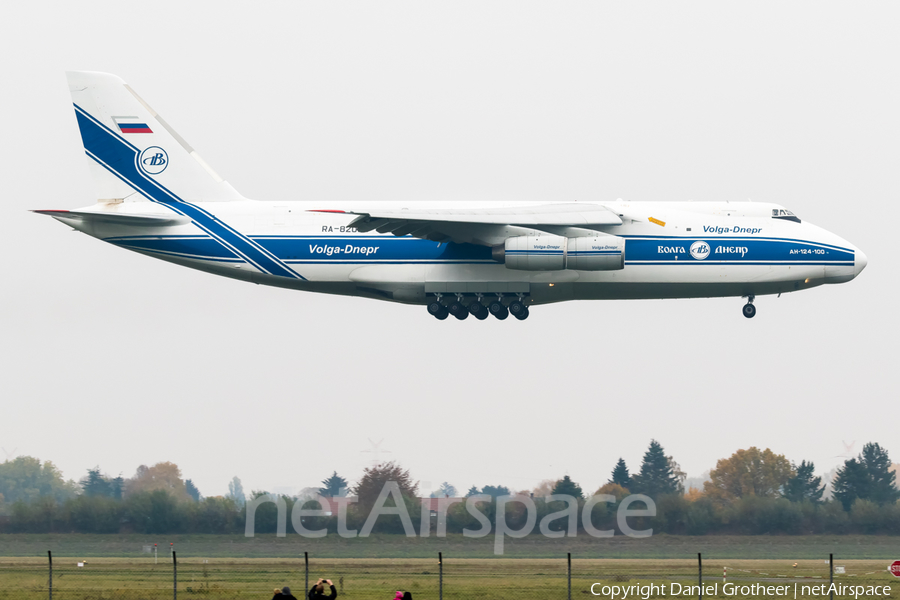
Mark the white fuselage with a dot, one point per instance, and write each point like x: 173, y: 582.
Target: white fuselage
x: 158, y: 197
x: 747, y: 252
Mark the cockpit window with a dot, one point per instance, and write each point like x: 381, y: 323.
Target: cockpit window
x: 784, y: 215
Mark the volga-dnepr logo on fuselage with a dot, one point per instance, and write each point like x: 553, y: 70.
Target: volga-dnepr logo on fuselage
x: 700, y: 250
x: 153, y: 160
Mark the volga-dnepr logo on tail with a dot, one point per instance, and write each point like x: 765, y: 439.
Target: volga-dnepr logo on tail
x: 153, y: 160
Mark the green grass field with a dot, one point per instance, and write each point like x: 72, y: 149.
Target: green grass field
x: 105, y: 578
x: 846, y: 547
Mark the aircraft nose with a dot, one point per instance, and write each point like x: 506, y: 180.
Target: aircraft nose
x: 860, y: 261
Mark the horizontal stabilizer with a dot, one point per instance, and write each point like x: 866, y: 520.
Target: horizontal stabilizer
x: 115, y: 218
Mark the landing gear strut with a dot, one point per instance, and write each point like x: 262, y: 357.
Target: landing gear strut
x: 749, y: 310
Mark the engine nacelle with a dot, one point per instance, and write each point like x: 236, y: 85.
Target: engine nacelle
x: 534, y: 253
x: 599, y: 253
x: 556, y: 253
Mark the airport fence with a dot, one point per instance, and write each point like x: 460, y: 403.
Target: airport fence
x: 442, y: 577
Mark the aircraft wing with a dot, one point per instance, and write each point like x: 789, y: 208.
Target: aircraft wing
x: 484, y: 226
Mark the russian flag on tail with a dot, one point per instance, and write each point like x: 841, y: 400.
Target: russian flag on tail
x: 131, y: 125
x: 134, y: 128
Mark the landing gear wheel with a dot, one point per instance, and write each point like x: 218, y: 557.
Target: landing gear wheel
x: 437, y: 310
x: 478, y: 310
x: 749, y: 310
x: 497, y: 309
x: 458, y: 310
x: 456, y: 307
x: 517, y: 308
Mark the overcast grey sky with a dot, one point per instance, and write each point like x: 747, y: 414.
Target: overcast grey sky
x: 114, y: 359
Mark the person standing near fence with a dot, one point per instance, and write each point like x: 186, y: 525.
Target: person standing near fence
x: 317, y: 592
x: 283, y: 594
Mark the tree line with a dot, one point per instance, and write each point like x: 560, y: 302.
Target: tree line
x: 751, y: 492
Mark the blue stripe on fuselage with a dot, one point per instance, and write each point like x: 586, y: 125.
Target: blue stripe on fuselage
x: 368, y: 249
x: 312, y: 250
x: 735, y: 251
x: 691, y: 240
x: 408, y: 250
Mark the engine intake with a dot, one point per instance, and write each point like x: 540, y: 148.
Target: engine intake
x: 556, y: 253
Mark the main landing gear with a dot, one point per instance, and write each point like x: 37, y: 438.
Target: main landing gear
x: 518, y: 309
x: 749, y: 310
x: 461, y: 307
x: 458, y: 310
x: 438, y: 310
x: 498, y: 309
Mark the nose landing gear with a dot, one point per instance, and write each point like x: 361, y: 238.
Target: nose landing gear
x: 749, y: 310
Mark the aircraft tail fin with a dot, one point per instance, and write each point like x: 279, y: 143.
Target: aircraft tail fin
x: 132, y: 152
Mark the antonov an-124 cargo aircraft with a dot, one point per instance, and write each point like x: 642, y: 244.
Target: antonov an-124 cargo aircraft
x: 156, y: 196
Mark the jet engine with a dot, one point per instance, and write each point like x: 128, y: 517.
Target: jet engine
x: 555, y: 253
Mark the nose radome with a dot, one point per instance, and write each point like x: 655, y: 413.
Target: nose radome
x: 860, y: 261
